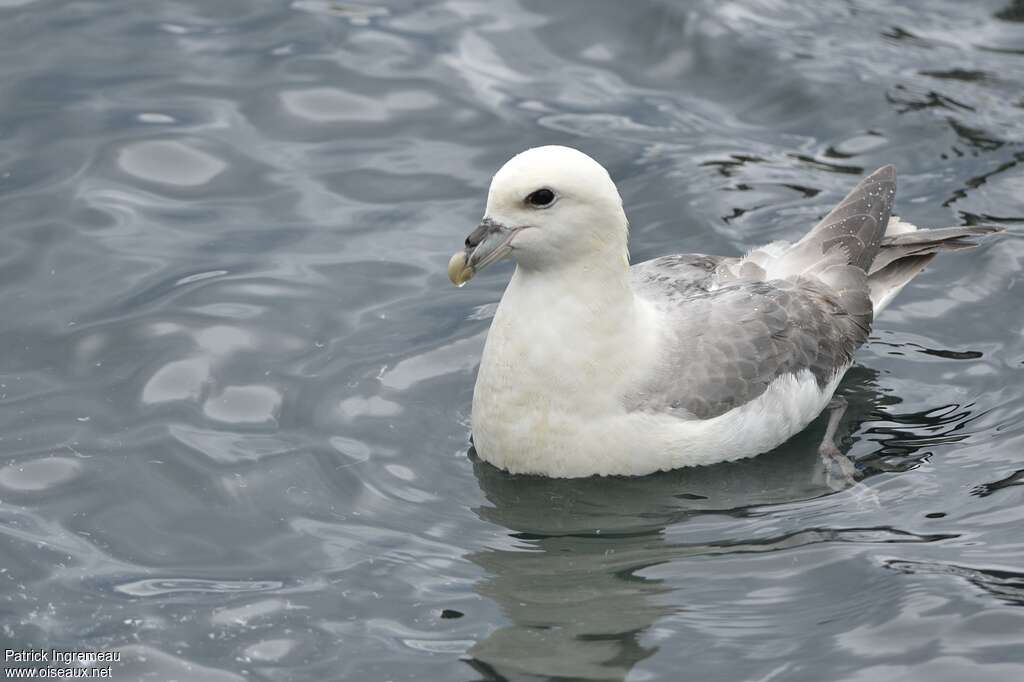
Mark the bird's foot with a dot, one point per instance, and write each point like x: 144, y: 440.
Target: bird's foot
x: 840, y: 471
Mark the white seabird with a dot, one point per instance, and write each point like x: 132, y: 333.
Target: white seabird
x: 595, y: 367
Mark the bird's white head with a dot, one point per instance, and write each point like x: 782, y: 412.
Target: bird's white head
x: 547, y: 207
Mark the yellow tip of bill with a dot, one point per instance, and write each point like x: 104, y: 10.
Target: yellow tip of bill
x: 459, y: 271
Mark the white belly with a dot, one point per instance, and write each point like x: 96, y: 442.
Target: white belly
x: 526, y: 431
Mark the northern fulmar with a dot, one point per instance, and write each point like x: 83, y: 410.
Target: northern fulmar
x: 595, y: 367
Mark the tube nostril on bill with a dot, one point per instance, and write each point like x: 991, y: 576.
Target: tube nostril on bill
x: 479, y: 234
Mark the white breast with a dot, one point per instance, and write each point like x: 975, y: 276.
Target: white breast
x: 548, y: 397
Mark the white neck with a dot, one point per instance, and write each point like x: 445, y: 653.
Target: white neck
x: 579, y: 292
x: 565, y: 345
x: 576, y: 329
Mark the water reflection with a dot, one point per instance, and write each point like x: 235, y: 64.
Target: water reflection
x: 234, y: 380
x: 570, y: 583
x: 571, y: 577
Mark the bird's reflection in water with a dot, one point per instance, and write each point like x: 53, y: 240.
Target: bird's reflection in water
x: 568, y: 576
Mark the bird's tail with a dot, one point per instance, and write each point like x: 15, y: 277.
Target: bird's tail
x: 905, y: 250
x: 862, y: 253
x: 838, y: 251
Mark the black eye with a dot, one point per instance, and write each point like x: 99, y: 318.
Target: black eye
x: 541, y: 197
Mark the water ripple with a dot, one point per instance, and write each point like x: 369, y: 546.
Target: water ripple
x: 235, y: 386
x: 155, y: 587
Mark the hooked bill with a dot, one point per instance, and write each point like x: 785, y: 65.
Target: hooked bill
x: 459, y: 271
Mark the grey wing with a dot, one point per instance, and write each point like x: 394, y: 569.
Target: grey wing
x: 856, y: 225
x: 678, y: 276
x: 726, y: 345
x: 732, y: 333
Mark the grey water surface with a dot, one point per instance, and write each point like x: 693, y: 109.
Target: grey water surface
x: 235, y: 381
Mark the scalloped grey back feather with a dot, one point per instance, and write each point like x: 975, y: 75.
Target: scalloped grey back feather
x: 738, y: 324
